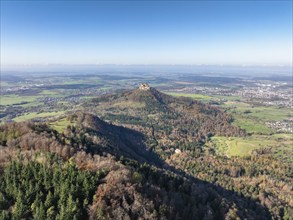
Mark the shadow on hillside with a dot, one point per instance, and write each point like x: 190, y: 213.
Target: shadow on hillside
x: 189, y: 197
x: 207, y: 196
x: 125, y: 142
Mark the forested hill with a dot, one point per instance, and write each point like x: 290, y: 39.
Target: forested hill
x: 138, y: 154
x: 178, y: 121
x: 84, y: 132
x: 96, y: 170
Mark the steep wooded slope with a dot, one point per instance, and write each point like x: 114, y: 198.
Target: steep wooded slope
x: 130, y: 181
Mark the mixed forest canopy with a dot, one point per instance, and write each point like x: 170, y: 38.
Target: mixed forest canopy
x: 138, y: 154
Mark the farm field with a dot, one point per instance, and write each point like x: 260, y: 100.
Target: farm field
x: 33, y: 115
x: 251, y: 125
x: 16, y: 99
x: 253, y: 120
x: 194, y: 96
x: 280, y: 145
x: 264, y: 113
x: 248, y: 117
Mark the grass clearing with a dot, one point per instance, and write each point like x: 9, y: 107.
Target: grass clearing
x: 238, y: 105
x: 253, y: 119
x: 251, y: 125
x: 61, y: 124
x: 49, y: 92
x: 243, y: 146
x: 264, y: 113
x: 33, y: 115
x: 85, y: 80
x: 283, y: 136
x: 202, y: 97
x: 271, y: 113
x: 234, y: 146
x: 15, y: 99
x: 194, y: 96
x: 229, y: 98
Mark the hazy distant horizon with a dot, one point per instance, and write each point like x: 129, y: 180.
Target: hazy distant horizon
x: 229, y: 70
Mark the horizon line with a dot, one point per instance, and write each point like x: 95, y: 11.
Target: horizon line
x: 141, y: 64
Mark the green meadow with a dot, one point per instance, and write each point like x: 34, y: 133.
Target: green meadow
x: 264, y: 113
x: 33, y: 115
x: 280, y: 144
x: 194, y: 96
x: 251, y: 125
x: 253, y: 120
x: 50, y: 92
x: 248, y: 117
x: 16, y: 99
x: 61, y: 124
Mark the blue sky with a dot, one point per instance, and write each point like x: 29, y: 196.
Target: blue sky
x: 146, y: 32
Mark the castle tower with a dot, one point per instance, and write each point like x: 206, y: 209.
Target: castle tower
x: 144, y: 86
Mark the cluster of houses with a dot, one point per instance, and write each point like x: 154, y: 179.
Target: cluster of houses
x: 282, y: 126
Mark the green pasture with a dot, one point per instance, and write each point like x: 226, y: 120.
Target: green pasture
x: 271, y: 113
x: 232, y: 99
x: 264, y: 113
x: 33, y: 115
x: 49, y: 92
x: 253, y: 119
x: 61, y: 124
x: 236, y: 99
x: 248, y: 117
x: 194, y: 96
x: 283, y: 136
x: 86, y: 80
x: 16, y: 99
x: 281, y: 145
x: 239, y: 105
x: 251, y: 125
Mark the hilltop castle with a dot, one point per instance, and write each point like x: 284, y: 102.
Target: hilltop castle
x: 144, y: 86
